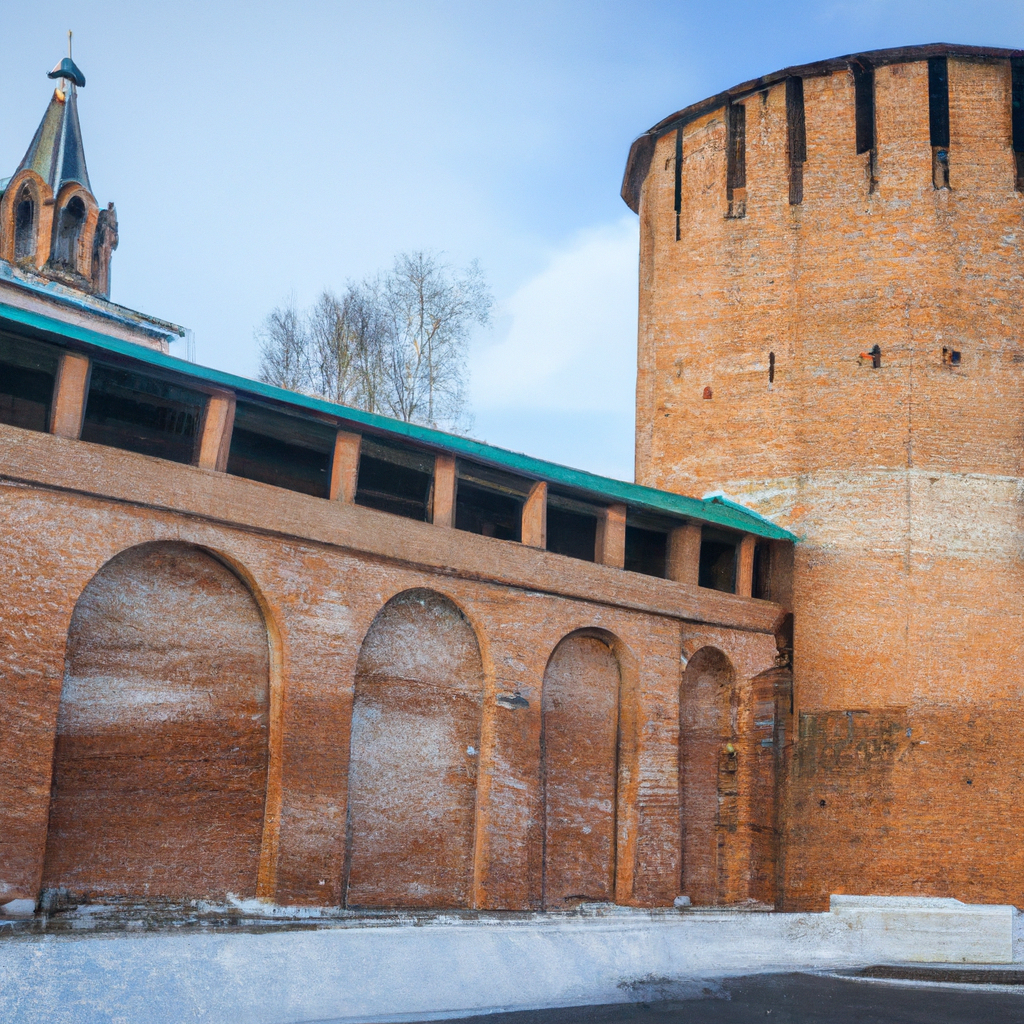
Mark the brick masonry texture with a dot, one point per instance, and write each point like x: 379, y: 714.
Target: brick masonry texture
x: 903, y: 482
x: 214, y: 685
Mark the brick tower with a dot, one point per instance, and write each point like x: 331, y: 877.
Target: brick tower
x: 50, y: 223
x: 831, y: 330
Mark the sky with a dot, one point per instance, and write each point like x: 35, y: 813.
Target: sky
x: 259, y: 153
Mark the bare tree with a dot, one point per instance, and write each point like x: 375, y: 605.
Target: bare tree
x: 429, y: 313
x: 394, y: 344
x: 284, y: 349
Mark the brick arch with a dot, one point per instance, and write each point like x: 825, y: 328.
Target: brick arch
x: 580, y: 712
x: 160, y: 765
x: 83, y: 246
x: 40, y: 194
x: 708, y: 728
x: 416, y: 723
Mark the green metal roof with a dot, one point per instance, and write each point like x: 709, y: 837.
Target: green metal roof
x: 717, y: 510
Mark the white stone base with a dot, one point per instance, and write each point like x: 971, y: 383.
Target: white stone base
x: 362, y: 971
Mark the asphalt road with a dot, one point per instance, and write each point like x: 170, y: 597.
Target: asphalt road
x: 794, y: 999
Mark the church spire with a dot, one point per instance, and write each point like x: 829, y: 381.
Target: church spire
x: 49, y: 219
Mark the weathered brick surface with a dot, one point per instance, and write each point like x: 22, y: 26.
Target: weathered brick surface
x: 162, y: 731
x: 322, y: 574
x: 903, y: 481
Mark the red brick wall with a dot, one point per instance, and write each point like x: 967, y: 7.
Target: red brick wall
x: 321, y: 575
x: 903, y: 482
x: 579, y: 771
x: 415, y: 748
x: 160, y: 767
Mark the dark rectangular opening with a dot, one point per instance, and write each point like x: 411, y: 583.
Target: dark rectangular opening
x: 646, y: 551
x: 938, y: 101
x: 28, y: 371
x: 489, y: 502
x: 718, y: 552
x: 864, y: 106
x: 286, y: 451
x: 797, y: 134
x: 1017, y: 117
x: 679, y: 177
x: 762, y: 581
x: 142, y: 414
x: 571, y: 527
x: 736, y: 151
x: 395, y: 479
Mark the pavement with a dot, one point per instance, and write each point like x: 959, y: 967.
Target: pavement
x: 802, y: 999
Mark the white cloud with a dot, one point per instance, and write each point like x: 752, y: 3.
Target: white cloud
x: 571, y: 340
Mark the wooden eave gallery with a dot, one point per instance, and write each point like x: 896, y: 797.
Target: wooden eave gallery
x: 113, y: 392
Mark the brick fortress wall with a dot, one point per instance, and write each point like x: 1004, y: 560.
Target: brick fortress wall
x: 771, y: 266
x: 212, y: 685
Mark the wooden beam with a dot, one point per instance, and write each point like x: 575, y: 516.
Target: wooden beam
x: 70, y: 392
x: 683, y: 563
x: 610, y: 548
x: 534, y: 531
x: 215, y: 436
x: 345, y: 467
x: 745, y: 566
x: 443, y: 503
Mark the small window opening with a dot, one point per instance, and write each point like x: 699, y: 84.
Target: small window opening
x: 571, y: 527
x: 707, y: 393
x: 284, y: 451
x: 142, y: 414
x: 950, y: 357
x: 28, y: 372
x: 797, y: 135
x: 873, y: 356
x: 771, y: 367
x: 679, y: 177
x: 488, y: 502
x: 762, y: 584
x: 69, y: 230
x: 718, y: 554
x: 25, y: 227
x: 395, y: 479
x: 938, y: 119
x: 864, y: 112
x: 1017, y: 118
x: 736, y: 158
x: 646, y: 551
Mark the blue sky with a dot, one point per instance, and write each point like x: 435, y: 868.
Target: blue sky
x: 261, y: 151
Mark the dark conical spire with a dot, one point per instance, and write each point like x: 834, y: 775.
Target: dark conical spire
x: 56, y: 152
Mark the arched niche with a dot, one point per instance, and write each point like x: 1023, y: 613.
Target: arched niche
x: 15, y: 243
x: 160, y: 767
x: 68, y: 231
x: 579, y: 750
x: 26, y: 223
x: 414, y: 753
x: 708, y: 773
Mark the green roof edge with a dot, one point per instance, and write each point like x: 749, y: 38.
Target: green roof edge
x: 716, y: 509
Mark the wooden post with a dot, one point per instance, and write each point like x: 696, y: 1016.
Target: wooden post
x: 745, y: 566
x: 683, y: 562
x: 345, y: 467
x: 534, y: 531
x: 443, y: 513
x: 215, y: 435
x: 69, y: 395
x: 610, y: 548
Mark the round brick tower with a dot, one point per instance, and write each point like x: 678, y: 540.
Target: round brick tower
x: 831, y: 330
